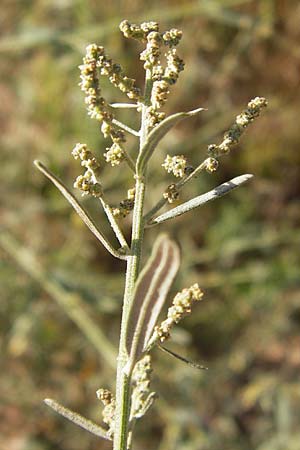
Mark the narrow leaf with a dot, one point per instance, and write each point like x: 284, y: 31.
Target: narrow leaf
x: 201, y: 199
x: 77, y: 418
x: 158, y: 133
x: 181, y: 358
x: 83, y: 214
x: 151, y: 290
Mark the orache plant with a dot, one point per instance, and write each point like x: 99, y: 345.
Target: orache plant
x: 145, y: 290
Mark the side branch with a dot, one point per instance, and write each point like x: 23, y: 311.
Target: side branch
x: 114, y: 224
x: 124, y: 105
x: 125, y: 127
x: 83, y: 214
x: 201, y: 199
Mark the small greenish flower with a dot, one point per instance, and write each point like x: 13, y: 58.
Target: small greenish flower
x: 176, y: 165
x: 212, y: 165
x: 114, y: 154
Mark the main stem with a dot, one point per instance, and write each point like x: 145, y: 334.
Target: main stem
x: 123, y: 385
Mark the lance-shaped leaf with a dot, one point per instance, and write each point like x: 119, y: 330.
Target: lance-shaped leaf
x: 158, y: 133
x: 195, y: 202
x: 150, y: 294
x: 77, y: 418
x: 83, y: 214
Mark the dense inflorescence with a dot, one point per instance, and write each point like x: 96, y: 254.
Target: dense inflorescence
x: 108, y: 412
x: 142, y: 398
x: 242, y: 121
x: 89, y: 182
x: 181, y: 306
x: 162, y: 77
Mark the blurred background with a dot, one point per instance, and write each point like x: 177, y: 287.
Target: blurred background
x: 61, y: 292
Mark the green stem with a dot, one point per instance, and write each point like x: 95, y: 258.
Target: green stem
x: 123, y: 385
x: 124, y: 379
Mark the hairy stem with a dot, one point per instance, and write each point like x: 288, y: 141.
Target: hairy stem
x: 123, y: 384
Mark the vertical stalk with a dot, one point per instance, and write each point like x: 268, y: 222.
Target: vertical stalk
x: 123, y: 384
x: 123, y: 379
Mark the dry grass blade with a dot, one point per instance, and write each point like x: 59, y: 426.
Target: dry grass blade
x: 70, y: 302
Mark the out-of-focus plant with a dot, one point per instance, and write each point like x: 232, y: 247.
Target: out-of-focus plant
x: 145, y: 290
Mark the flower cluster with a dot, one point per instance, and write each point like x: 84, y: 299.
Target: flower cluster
x: 142, y: 398
x: 108, y: 412
x: 176, y: 165
x: 172, y: 37
x: 151, y: 54
x: 89, y: 182
x: 126, y: 205
x: 114, y: 154
x: 139, y: 32
x: 97, y: 106
x: 242, y: 121
x: 182, y: 304
x: 117, y: 77
x: 162, y: 77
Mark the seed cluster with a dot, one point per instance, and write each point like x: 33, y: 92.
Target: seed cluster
x: 181, y: 306
x: 142, y: 398
x: 242, y: 121
x: 108, y: 412
x: 88, y: 183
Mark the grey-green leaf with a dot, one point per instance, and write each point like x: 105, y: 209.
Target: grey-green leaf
x: 195, y: 202
x: 158, y: 133
x: 77, y: 419
x: 83, y: 214
x: 150, y: 294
